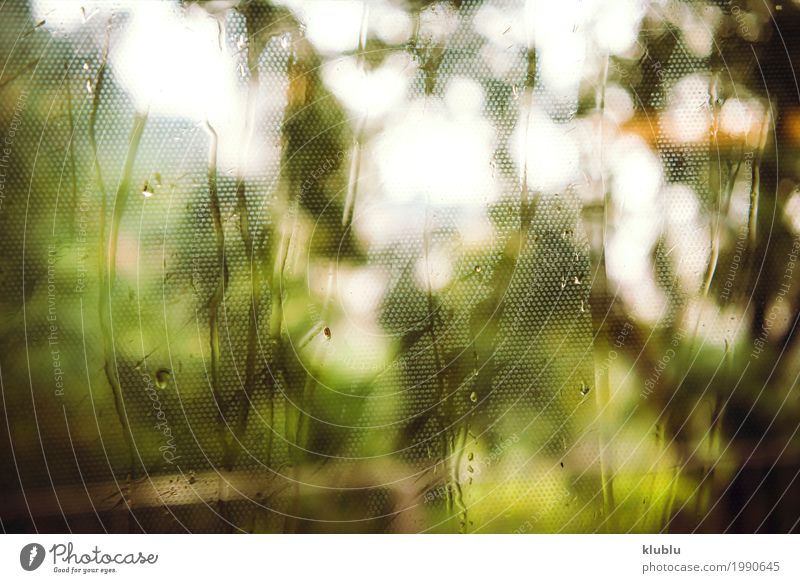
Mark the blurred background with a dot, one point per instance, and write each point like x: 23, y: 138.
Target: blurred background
x: 399, y: 266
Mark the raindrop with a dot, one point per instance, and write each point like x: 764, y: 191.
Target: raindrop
x: 87, y: 17
x: 585, y: 389
x: 162, y: 378
x: 473, y: 396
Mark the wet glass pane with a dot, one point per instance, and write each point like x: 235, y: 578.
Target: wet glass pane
x: 344, y: 266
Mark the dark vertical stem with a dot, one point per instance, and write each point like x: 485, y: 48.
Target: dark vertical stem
x: 108, y: 277
x: 526, y: 206
x: 98, y: 85
x: 104, y: 282
x: 355, y: 164
x: 246, y: 395
x: 219, y: 291
x: 601, y: 308
x: 755, y: 186
x: 123, y: 192
x: 72, y: 167
x: 722, y: 192
x: 430, y: 59
x: 278, y: 249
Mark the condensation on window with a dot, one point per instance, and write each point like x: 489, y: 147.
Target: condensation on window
x: 345, y: 266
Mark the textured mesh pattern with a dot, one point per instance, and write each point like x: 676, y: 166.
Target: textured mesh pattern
x: 299, y: 337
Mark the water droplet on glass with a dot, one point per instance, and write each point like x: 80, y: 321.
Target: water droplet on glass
x: 162, y: 378
x: 87, y: 17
